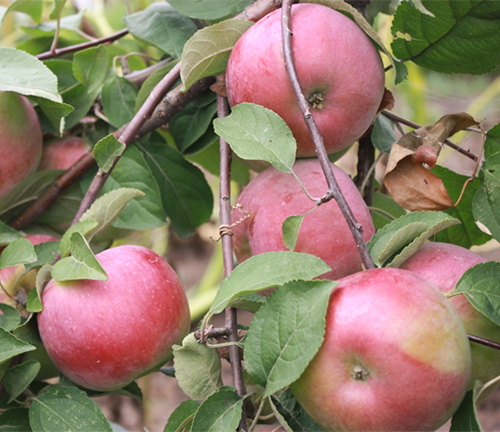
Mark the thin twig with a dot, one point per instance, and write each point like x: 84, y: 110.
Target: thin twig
x: 333, y: 187
x: 82, y: 46
x: 482, y: 341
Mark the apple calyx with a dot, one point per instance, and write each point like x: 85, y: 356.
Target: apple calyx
x: 359, y: 373
x: 316, y: 100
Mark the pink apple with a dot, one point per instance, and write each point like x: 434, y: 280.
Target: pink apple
x: 339, y: 69
x: 20, y: 140
x: 62, y: 153
x: 272, y: 196
x: 443, y: 264
x: 104, y: 334
x: 15, y: 282
x: 395, y: 356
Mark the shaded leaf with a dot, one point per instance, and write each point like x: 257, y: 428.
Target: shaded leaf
x: 11, y: 346
x: 10, y: 317
x: 180, y: 420
x: 33, y: 8
x: 90, y: 66
x: 20, y: 251
x: 382, y: 134
x: 106, y: 150
x: 151, y: 82
x: 209, y: 9
x: 18, y: 377
x: 207, y: 52
x: 465, y: 418
x: 118, y: 100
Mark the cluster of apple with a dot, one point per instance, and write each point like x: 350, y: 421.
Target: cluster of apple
x: 396, y: 355
x: 88, y: 327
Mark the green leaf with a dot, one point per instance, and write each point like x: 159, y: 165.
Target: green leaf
x: 295, y: 416
x: 20, y: 251
x: 161, y: 26
x: 55, y: 112
x: 399, y: 239
x: 33, y: 302
x: 465, y: 418
x: 209, y: 9
x: 66, y: 408
x: 460, y: 37
x: 266, y: 270
x: 106, y: 150
x: 46, y: 253
x: 190, y: 124
x: 290, y: 230
x: 249, y: 302
x: 207, y: 52
x: 219, y: 412
x: 132, y: 171
x: 7, y: 234
x: 385, y: 210
x: 15, y: 420
x: 197, y: 368
x: 82, y: 264
x: 78, y: 98
x: 151, y: 82
x: 180, y: 420
x: 257, y: 133
x: 36, y: 79
x: 186, y: 196
x: 83, y: 227
x: 33, y: 8
x: 118, y: 100
x: 11, y: 346
x: 10, y: 317
x: 18, y: 377
x: 467, y: 233
x: 286, y: 333
x: 56, y: 10
x: 481, y: 285
x: 382, y: 134
x: 90, y: 67
x: 106, y: 209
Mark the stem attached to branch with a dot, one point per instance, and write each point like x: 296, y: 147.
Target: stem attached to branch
x: 333, y: 187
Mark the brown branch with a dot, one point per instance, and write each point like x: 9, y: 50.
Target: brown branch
x: 82, y: 46
x: 333, y: 187
x: 482, y: 341
x: 397, y: 119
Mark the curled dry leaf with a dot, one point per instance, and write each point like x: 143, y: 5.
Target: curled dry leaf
x: 407, y: 177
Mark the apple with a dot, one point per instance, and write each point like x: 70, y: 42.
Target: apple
x: 62, y: 153
x: 443, y: 264
x: 15, y: 282
x: 103, y: 335
x: 338, y: 66
x: 20, y: 140
x: 395, y: 356
x: 272, y: 196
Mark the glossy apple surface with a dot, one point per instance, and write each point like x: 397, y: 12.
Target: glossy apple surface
x: 443, y: 264
x: 104, y: 334
x: 272, y: 196
x: 395, y: 356
x: 62, y: 153
x: 339, y: 69
x: 20, y: 140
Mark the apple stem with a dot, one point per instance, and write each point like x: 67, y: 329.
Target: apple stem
x: 333, y: 187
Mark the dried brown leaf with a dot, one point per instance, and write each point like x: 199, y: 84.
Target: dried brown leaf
x: 415, y: 188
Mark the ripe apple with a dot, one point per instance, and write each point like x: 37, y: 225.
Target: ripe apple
x: 62, y: 153
x: 339, y: 69
x: 104, y: 334
x: 443, y: 264
x: 395, y: 356
x: 15, y: 282
x: 272, y: 196
x: 20, y: 140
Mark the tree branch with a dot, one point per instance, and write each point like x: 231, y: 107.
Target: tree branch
x: 333, y: 187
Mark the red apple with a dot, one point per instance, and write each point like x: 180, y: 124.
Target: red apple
x: 395, y: 356
x: 20, y: 140
x: 443, y: 264
x: 272, y: 196
x: 104, y: 334
x: 339, y: 69
x: 15, y: 282
x: 62, y: 153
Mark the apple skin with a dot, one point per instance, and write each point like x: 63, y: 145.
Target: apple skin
x: 443, y: 264
x: 104, y: 334
x: 13, y: 279
x: 62, y: 153
x: 20, y: 140
x: 334, y: 58
x: 395, y: 356
x: 272, y: 196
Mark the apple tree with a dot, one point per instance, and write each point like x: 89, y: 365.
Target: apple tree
x: 156, y: 113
